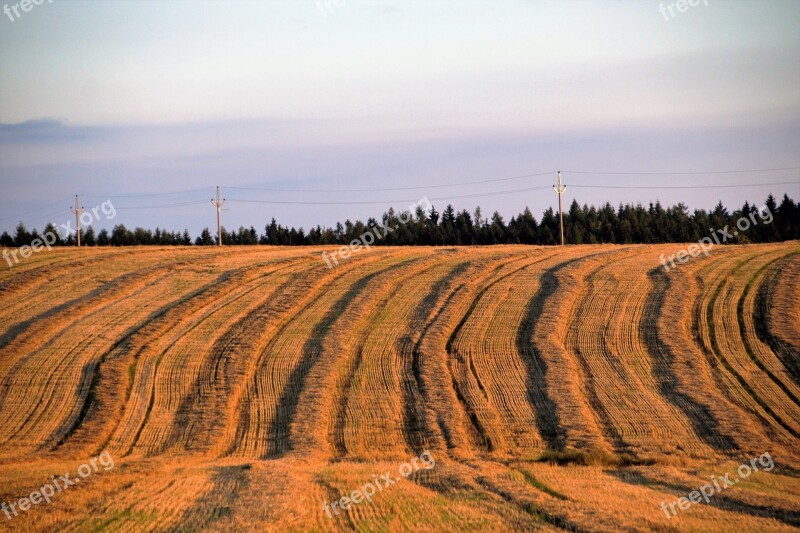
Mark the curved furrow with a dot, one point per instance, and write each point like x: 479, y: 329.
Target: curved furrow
x: 25, y: 338
x: 601, y: 376
x: 103, y: 386
x: 22, y: 275
x: 249, y: 404
x: 203, y: 409
x: 297, y: 363
x: 252, y: 388
x: 442, y: 411
x: 484, y: 423
x: 105, y: 393
x: 421, y: 428
x: 30, y: 298
x: 712, y: 280
x: 287, y: 357
x: 21, y: 291
x: 330, y: 382
x: 28, y: 349
x: 114, y: 381
x: 286, y: 404
x: 169, y: 369
x: 42, y: 406
x: 545, y: 409
x: 776, y: 315
x: 617, y: 363
x: 495, y: 340
x: 381, y: 389
x: 318, y: 428
x: 67, y: 261
x: 25, y: 269
x: 759, y: 352
x: 681, y: 370
x: 472, y: 378
x: 742, y: 422
x: 582, y: 423
x: 723, y: 322
x: 455, y: 430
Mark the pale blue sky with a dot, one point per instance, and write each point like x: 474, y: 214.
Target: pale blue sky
x: 124, y: 98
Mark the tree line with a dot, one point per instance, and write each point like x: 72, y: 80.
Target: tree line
x: 627, y: 224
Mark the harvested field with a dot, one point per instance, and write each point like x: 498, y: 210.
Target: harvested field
x: 571, y: 388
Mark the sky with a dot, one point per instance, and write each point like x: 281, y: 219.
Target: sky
x: 351, y: 107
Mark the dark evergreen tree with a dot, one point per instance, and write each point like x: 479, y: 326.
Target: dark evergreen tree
x: 21, y: 236
x: 628, y: 224
x: 88, y: 238
x: 51, y: 229
x: 205, y: 238
x: 103, y: 238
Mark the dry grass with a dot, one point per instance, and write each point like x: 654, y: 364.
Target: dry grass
x: 237, y: 389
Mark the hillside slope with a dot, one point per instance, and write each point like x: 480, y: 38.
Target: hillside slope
x: 562, y: 388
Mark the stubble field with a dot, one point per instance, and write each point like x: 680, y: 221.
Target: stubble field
x: 570, y: 388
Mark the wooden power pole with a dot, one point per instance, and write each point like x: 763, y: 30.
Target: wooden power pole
x: 78, y: 210
x: 560, y: 191
x: 218, y: 203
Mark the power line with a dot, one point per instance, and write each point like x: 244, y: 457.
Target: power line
x: 44, y: 218
x: 481, y: 195
x: 34, y: 210
x: 181, y: 204
x: 523, y: 176
x: 454, y: 197
x: 694, y: 173
x: 377, y: 202
x: 499, y: 193
x: 685, y: 186
x: 412, y: 188
x: 438, y: 186
x: 112, y: 196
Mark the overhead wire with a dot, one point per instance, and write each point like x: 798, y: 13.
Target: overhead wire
x: 433, y: 186
x: 9, y: 217
x: 693, y: 173
x: 683, y: 186
x: 372, y: 202
x: 391, y: 189
x: 179, y: 204
x: 149, y: 195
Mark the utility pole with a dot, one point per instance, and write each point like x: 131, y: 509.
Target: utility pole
x: 560, y: 190
x: 218, y: 203
x: 78, y: 210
